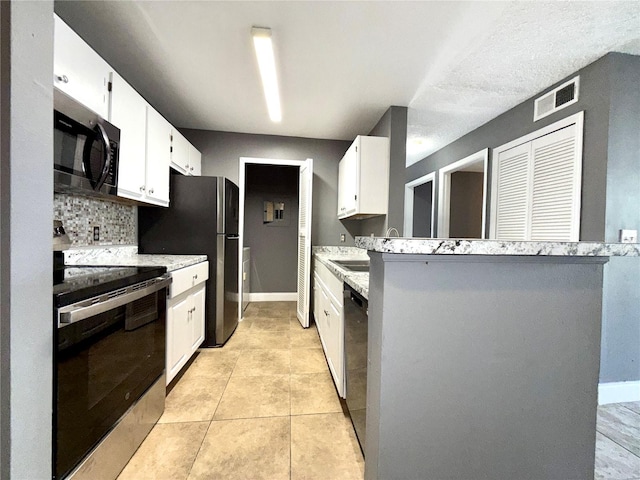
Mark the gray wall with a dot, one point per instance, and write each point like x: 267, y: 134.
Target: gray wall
x: 466, y: 205
x: 392, y: 125
x: 620, y: 359
x: 221, y: 152
x: 594, y: 100
x: 26, y: 185
x: 274, y: 246
x: 422, y: 210
x: 610, y: 98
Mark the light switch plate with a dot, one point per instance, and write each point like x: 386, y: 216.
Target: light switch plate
x: 343, y: 237
x: 628, y: 236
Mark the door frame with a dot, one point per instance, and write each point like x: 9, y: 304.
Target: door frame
x: 244, y: 161
x: 444, y: 190
x: 408, y: 202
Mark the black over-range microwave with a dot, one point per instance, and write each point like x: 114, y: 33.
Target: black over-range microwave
x: 85, y: 149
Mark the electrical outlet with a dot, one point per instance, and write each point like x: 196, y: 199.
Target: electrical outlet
x: 628, y: 236
x: 343, y: 238
x: 96, y: 233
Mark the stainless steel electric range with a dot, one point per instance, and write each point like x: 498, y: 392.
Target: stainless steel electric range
x: 109, y: 352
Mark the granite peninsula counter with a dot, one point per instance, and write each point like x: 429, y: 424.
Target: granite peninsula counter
x: 483, y: 357
x: 358, y: 280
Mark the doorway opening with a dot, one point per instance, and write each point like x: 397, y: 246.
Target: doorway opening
x: 462, y: 197
x: 275, y: 223
x: 419, y: 204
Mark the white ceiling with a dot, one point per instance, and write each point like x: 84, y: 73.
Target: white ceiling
x: 456, y: 65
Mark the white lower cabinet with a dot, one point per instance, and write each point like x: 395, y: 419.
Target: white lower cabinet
x: 185, y: 316
x: 329, y: 318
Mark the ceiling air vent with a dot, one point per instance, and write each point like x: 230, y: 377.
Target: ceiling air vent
x: 556, y: 99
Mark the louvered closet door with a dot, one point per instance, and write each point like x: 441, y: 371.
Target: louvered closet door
x: 304, y: 243
x: 513, y: 193
x: 555, y: 196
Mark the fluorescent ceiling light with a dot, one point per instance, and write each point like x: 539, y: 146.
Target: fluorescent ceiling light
x: 266, y: 63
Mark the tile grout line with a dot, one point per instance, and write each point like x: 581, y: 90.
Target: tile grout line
x: 211, y: 419
x: 619, y: 444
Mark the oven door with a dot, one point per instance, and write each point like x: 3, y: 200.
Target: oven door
x: 106, y: 358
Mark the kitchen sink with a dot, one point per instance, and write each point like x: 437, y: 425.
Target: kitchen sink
x: 353, y: 265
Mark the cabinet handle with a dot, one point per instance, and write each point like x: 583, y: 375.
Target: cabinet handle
x: 326, y: 313
x: 62, y: 78
x: 150, y: 190
x: 142, y: 188
x: 195, y: 276
x: 191, y: 169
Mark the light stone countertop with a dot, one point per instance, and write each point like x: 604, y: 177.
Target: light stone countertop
x: 358, y: 280
x: 427, y: 246
x: 127, y: 256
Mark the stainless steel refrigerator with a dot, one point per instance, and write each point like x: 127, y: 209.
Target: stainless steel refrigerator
x: 202, y: 218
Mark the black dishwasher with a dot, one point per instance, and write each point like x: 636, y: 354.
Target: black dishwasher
x: 355, y: 350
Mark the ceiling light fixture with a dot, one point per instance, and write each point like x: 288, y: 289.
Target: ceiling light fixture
x: 267, y: 64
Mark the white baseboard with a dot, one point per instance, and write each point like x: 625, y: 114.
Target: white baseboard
x: 617, y: 392
x: 273, y: 297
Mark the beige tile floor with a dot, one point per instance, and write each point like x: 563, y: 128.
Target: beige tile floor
x: 262, y: 407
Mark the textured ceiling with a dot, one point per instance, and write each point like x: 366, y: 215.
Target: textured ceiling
x: 456, y: 65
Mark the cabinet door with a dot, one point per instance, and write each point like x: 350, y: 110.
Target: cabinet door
x: 179, y: 152
x: 78, y: 70
x: 158, y: 157
x: 197, y: 318
x: 128, y: 112
x: 178, y: 336
x: 335, y: 349
x: 195, y: 161
x: 348, y: 182
x: 317, y: 298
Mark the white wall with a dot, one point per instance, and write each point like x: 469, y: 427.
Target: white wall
x: 26, y: 179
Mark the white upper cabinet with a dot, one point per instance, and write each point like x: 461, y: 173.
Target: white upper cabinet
x: 195, y: 161
x: 128, y: 112
x: 145, y: 143
x: 78, y: 70
x: 149, y: 144
x: 185, y: 158
x: 158, y: 157
x: 363, y: 178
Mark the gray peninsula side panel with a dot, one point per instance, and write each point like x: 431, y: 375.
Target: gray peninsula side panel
x: 487, y: 367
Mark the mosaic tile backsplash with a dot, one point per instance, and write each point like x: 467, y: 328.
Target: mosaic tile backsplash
x: 117, y: 222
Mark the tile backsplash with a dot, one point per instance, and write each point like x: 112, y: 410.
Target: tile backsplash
x: 117, y: 222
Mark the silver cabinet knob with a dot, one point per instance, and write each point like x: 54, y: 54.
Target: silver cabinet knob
x: 150, y: 190
x: 62, y: 78
x: 191, y: 169
x: 142, y: 188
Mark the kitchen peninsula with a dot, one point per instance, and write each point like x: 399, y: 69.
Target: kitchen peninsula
x: 483, y: 357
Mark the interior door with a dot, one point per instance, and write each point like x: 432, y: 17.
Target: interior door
x: 304, y: 242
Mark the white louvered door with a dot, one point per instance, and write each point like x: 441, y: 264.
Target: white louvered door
x: 555, y: 196
x: 537, y: 186
x: 512, y: 193
x: 304, y: 242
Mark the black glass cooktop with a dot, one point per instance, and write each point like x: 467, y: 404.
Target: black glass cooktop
x: 73, y: 284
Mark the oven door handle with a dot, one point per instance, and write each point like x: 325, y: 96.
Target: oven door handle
x: 97, y: 305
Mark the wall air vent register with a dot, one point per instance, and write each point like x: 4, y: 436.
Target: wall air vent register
x: 557, y: 99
